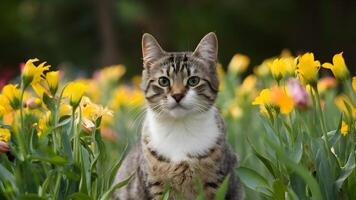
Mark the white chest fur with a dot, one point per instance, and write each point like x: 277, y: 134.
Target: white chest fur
x: 177, y: 138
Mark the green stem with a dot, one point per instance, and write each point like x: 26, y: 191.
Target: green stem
x: 21, y: 107
x: 56, y: 187
x: 76, y: 141
x: 322, y: 119
x: 349, y: 89
x: 22, y: 131
x: 56, y: 135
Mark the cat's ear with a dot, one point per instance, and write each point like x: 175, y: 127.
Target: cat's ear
x: 151, y: 50
x: 207, y: 48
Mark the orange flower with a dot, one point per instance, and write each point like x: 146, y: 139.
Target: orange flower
x: 280, y: 98
x: 276, y: 96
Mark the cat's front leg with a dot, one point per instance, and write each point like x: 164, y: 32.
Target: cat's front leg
x: 210, y: 189
x: 155, y: 189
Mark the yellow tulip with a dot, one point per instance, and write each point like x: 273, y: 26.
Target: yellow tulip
x: 32, y: 73
x: 239, y: 63
x: 95, y: 93
x: 354, y: 83
x: 44, y: 123
x: 65, y: 110
x: 5, y: 105
x: 344, y: 128
x: 263, y: 69
x: 340, y: 103
x: 264, y: 98
x: 280, y: 68
x: 93, y: 111
x: 126, y: 96
x: 235, y: 111
x: 12, y: 93
x: 75, y: 91
x: 2, y: 110
x: 307, y: 69
x: 39, y: 89
x: 5, y: 135
x: 52, y: 81
x: 248, y: 86
x: 338, y: 67
x: 110, y: 74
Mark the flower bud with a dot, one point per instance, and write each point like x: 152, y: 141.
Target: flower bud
x: 298, y: 93
x: 33, y: 103
x: 4, y: 147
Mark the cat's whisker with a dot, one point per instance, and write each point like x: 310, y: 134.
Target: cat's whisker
x: 140, y: 118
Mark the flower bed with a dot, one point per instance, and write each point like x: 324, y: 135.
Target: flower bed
x: 294, y: 131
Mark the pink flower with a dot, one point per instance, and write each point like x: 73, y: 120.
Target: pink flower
x: 4, y: 147
x: 298, y: 93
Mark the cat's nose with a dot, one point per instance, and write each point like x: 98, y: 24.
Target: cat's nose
x: 178, y: 97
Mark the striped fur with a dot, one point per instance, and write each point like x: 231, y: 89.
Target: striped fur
x: 182, y: 141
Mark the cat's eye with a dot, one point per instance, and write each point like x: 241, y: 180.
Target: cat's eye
x: 163, y: 81
x: 193, y: 81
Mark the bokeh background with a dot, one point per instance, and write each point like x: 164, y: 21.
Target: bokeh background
x: 84, y: 35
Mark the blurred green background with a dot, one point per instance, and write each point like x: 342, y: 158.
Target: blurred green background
x: 89, y: 34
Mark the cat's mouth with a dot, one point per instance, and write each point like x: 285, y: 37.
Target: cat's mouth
x: 178, y: 106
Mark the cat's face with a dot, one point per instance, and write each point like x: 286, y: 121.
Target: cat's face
x: 180, y: 83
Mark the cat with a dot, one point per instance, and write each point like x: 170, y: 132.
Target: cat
x: 183, y: 135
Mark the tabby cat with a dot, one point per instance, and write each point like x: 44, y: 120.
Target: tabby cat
x: 183, y: 135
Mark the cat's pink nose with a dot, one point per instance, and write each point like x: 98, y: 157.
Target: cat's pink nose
x: 178, y: 97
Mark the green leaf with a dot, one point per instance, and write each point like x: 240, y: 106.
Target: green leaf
x: 165, y: 196
x: 64, y: 122
x: 267, y: 162
x: 66, y: 144
x: 270, y: 132
x: 325, y: 168
x: 6, y: 175
x: 254, y: 180
x: 56, y: 160
x: 301, y: 171
x: 221, y: 193
x: 116, y: 166
x: 31, y: 197
x: 349, y: 109
x: 279, y: 189
x: 298, y: 152
x: 288, y: 127
x: 113, y: 188
x: 292, y: 195
x: 85, y: 172
x: 46, y: 182
x: 298, y: 186
x: 346, y: 170
x: 49, y: 101
x: 79, y: 196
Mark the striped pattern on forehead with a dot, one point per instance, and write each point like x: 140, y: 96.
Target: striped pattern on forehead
x: 178, y: 63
